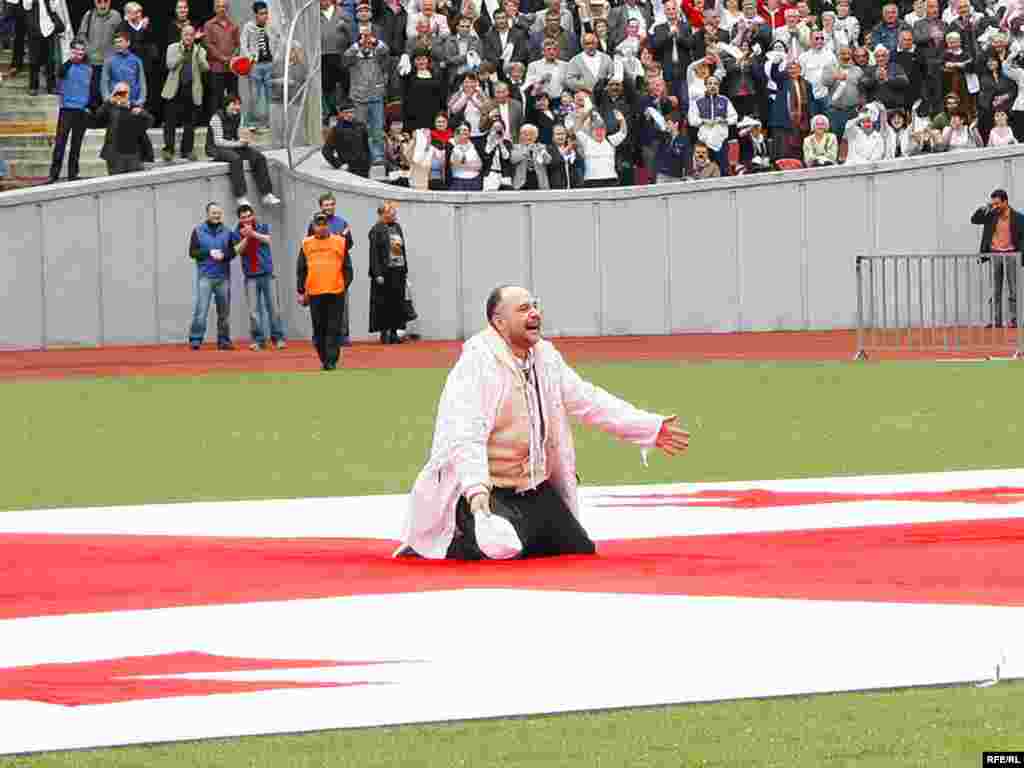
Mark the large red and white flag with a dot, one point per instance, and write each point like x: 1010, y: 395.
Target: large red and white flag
x: 143, y: 624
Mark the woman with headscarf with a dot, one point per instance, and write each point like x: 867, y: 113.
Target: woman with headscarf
x: 820, y: 147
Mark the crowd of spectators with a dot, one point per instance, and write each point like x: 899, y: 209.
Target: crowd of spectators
x: 554, y: 94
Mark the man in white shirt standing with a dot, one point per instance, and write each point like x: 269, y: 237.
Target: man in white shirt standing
x: 548, y: 72
x: 814, y: 63
x: 712, y: 115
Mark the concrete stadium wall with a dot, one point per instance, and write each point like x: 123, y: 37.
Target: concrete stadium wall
x: 104, y: 261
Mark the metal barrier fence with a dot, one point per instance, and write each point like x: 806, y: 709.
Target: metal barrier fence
x: 940, y: 302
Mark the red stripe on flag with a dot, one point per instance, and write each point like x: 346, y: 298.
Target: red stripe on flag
x: 978, y: 561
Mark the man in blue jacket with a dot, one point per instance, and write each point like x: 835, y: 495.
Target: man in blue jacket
x: 251, y: 243
x: 210, y: 247
x: 76, y: 73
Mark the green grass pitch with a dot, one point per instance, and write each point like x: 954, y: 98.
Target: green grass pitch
x: 144, y: 440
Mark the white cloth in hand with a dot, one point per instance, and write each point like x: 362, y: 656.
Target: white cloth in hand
x: 496, y: 537
x: 404, y: 65
x: 473, y: 59
x: 507, y: 53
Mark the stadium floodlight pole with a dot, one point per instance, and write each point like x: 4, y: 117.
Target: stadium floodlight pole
x: 289, y: 135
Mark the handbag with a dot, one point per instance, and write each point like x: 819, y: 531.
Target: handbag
x: 409, y: 310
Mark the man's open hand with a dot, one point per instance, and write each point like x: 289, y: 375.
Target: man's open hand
x: 672, y: 438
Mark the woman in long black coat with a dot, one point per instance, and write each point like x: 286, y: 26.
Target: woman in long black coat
x: 388, y: 272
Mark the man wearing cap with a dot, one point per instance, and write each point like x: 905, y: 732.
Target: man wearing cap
x: 348, y: 143
x: 322, y: 274
x: 501, y: 482
x: 338, y: 226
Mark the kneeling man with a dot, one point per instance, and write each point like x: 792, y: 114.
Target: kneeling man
x: 501, y: 479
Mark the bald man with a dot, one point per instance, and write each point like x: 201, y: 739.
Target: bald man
x: 501, y: 479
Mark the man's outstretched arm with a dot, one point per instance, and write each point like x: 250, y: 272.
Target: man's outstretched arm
x: 596, y: 407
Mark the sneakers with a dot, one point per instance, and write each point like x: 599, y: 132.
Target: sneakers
x: 167, y: 155
x: 191, y: 157
x: 242, y: 201
x: 226, y: 346
x: 281, y: 344
x: 271, y: 199
x: 255, y: 347
x: 193, y: 345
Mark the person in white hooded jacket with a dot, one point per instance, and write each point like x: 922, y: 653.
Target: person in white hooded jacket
x: 501, y: 479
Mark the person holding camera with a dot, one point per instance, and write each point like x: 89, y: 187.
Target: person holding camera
x: 1002, y: 230
x: 529, y: 161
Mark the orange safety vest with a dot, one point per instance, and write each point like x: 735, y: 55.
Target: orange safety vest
x: 324, y: 261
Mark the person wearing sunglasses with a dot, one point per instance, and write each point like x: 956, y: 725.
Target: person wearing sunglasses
x: 126, y: 129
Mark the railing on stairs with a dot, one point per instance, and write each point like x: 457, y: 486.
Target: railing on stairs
x: 290, y: 124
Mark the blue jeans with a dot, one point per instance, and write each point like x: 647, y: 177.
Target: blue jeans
x: 261, y: 299
x: 374, y: 119
x: 218, y: 289
x: 259, y: 88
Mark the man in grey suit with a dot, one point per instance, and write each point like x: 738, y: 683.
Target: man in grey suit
x: 588, y: 68
x: 530, y: 161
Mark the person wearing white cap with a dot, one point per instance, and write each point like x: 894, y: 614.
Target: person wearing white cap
x: 501, y: 479
x: 755, y: 152
x: 865, y: 142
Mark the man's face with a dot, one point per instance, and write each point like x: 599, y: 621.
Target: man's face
x: 181, y: 11
x: 428, y: 7
x: 470, y: 85
x: 346, y: 115
x: 906, y: 40
x: 422, y: 63
x: 511, y: 8
x: 711, y: 86
x: 964, y: 9
x: 550, y: 53
x: 262, y: 17
x: 590, y: 44
x: 882, y: 58
x: 464, y: 27
x: 860, y: 56
x: 615, y: 89
x: 363, y: 14
x: 389, y: 214
x: 215, y: 214
x: 558, y: 135
x: 325, y: 4
x: 501, y: 93
x: 328, y: 206
x: 441, y: 123
x: 501, y: 21
x: 998, y: 204
x: 843, y: 10
x: 700, y: 156
x: 188, y: 36
x: 77, y: 54
x: 422, y: 27
x: 246, y: 220
x: 889, y: 13
x: 234, y: 108
x: 932, y: 9
x: 792, y: 18
x: 952, y: 104
x: 121, y: 43
x: 220, y: 7
x: 844, y: 56
x: 518, y: 318
x: 818, y: 41
x: 102, y: 5
x: 320, y: 228
x: 671, y: 12
x: 528, y: 137
x: 516, y: 71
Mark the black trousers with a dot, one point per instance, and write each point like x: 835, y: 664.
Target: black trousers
x: 40, y: 54
x: 541, y: 518
x: 180, y: 111
x: 218, y: 85
x: 20, y: 33
x: 73, y: 122
x: 95, y: 95
x: 258, y: 163
x: 123, y: 164
x: 325, y: 311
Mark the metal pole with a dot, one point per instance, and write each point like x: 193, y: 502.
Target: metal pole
x: 287, y: 65
x: 910, y: 313
x: 859, y: 354
x: 885, y: 303
x: 873, y: 324
x: 956, y: 303
x: 1017, y: 267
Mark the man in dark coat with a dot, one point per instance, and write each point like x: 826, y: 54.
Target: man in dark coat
x: 348, y: 143
x: 1003, y: 229
x: 126, y: 128
x: 388, y: 272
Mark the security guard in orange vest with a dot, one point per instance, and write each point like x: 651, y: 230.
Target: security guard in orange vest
x: 324, y: 272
